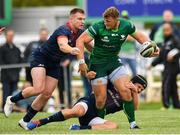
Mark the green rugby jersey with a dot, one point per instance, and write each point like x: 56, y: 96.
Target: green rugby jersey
x: 107, y: 43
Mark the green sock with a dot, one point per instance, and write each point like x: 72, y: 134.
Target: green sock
x: 101, y: 112
x: 128, y: 107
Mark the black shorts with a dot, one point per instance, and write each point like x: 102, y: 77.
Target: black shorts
x: 28, y: 74
x: 91, y: 111
x: 38, y: 59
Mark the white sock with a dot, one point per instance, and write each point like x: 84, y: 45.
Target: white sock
x: 132, y: 124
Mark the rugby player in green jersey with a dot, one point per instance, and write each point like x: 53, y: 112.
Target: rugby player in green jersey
x: 109, y: 35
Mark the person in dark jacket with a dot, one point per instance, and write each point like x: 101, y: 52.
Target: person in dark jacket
x: 156, y: 33
x: 9, y: 54
x: 169, y: 56
x: 43, y: 35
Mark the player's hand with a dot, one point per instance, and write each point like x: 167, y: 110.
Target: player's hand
x: 131, y: 86
x: 91, y: 75
x: 156, y: 53
x: 1, y: 30
x: 83, y: 69
x: 75, y: 51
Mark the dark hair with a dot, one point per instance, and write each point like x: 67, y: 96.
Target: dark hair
x: 76, y: 10
x: 170, y: 23
x: 140, y: 79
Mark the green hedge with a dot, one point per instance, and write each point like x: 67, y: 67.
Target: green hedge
x: 42, y: 3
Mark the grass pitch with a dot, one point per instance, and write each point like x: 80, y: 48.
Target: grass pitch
x: 150, y: 118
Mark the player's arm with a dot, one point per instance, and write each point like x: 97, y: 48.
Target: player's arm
x: 106, y: 125
x: 144, y: 40
x: 64, y: 47
x: 134, y: 93
x: 89, y: 46
x: 130, y: 38
x: 135, y: 99
x: 140, y: 37
x: 84, y: 38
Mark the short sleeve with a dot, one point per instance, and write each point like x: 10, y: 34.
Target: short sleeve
x: 93, y: 30
x: 62, y: 32
x: 132, y: 28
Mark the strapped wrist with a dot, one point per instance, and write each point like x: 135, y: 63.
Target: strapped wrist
x: 81, y: 61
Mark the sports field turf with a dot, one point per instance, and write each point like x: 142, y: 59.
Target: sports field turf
x: 150, y: 118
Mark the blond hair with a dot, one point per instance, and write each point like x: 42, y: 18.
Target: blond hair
x: 111, y: 12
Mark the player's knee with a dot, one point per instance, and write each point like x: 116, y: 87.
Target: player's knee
x: 74, y: 113
x: 126, y: 94
x: 47, y: 94
x: 78, y: 113
x: 39, y: 89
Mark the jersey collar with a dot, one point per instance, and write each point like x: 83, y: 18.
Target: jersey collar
x: 73, y: 30
x: 117, y: 27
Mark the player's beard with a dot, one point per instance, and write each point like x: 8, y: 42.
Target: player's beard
x: 116, y: 24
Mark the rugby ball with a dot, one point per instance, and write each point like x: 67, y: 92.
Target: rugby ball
x: 148, y: 49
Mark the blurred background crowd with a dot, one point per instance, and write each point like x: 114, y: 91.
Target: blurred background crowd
x: 30, y: 23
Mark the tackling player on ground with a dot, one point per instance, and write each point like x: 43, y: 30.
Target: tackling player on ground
x: 85, y: 109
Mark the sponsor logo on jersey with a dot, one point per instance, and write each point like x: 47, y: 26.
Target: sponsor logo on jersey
x: 105, y: 39
x: 123, y: 37
x: 114, y: 34
x: 108, y: 46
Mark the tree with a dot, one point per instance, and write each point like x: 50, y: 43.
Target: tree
x: 42, y: 3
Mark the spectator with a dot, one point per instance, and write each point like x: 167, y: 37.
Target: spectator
x: 64, y: 83
x: 43, y: 35
x: 169, y: 56
x: 157, y: 30
x: 9, y: 54
x: 128, y: 50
